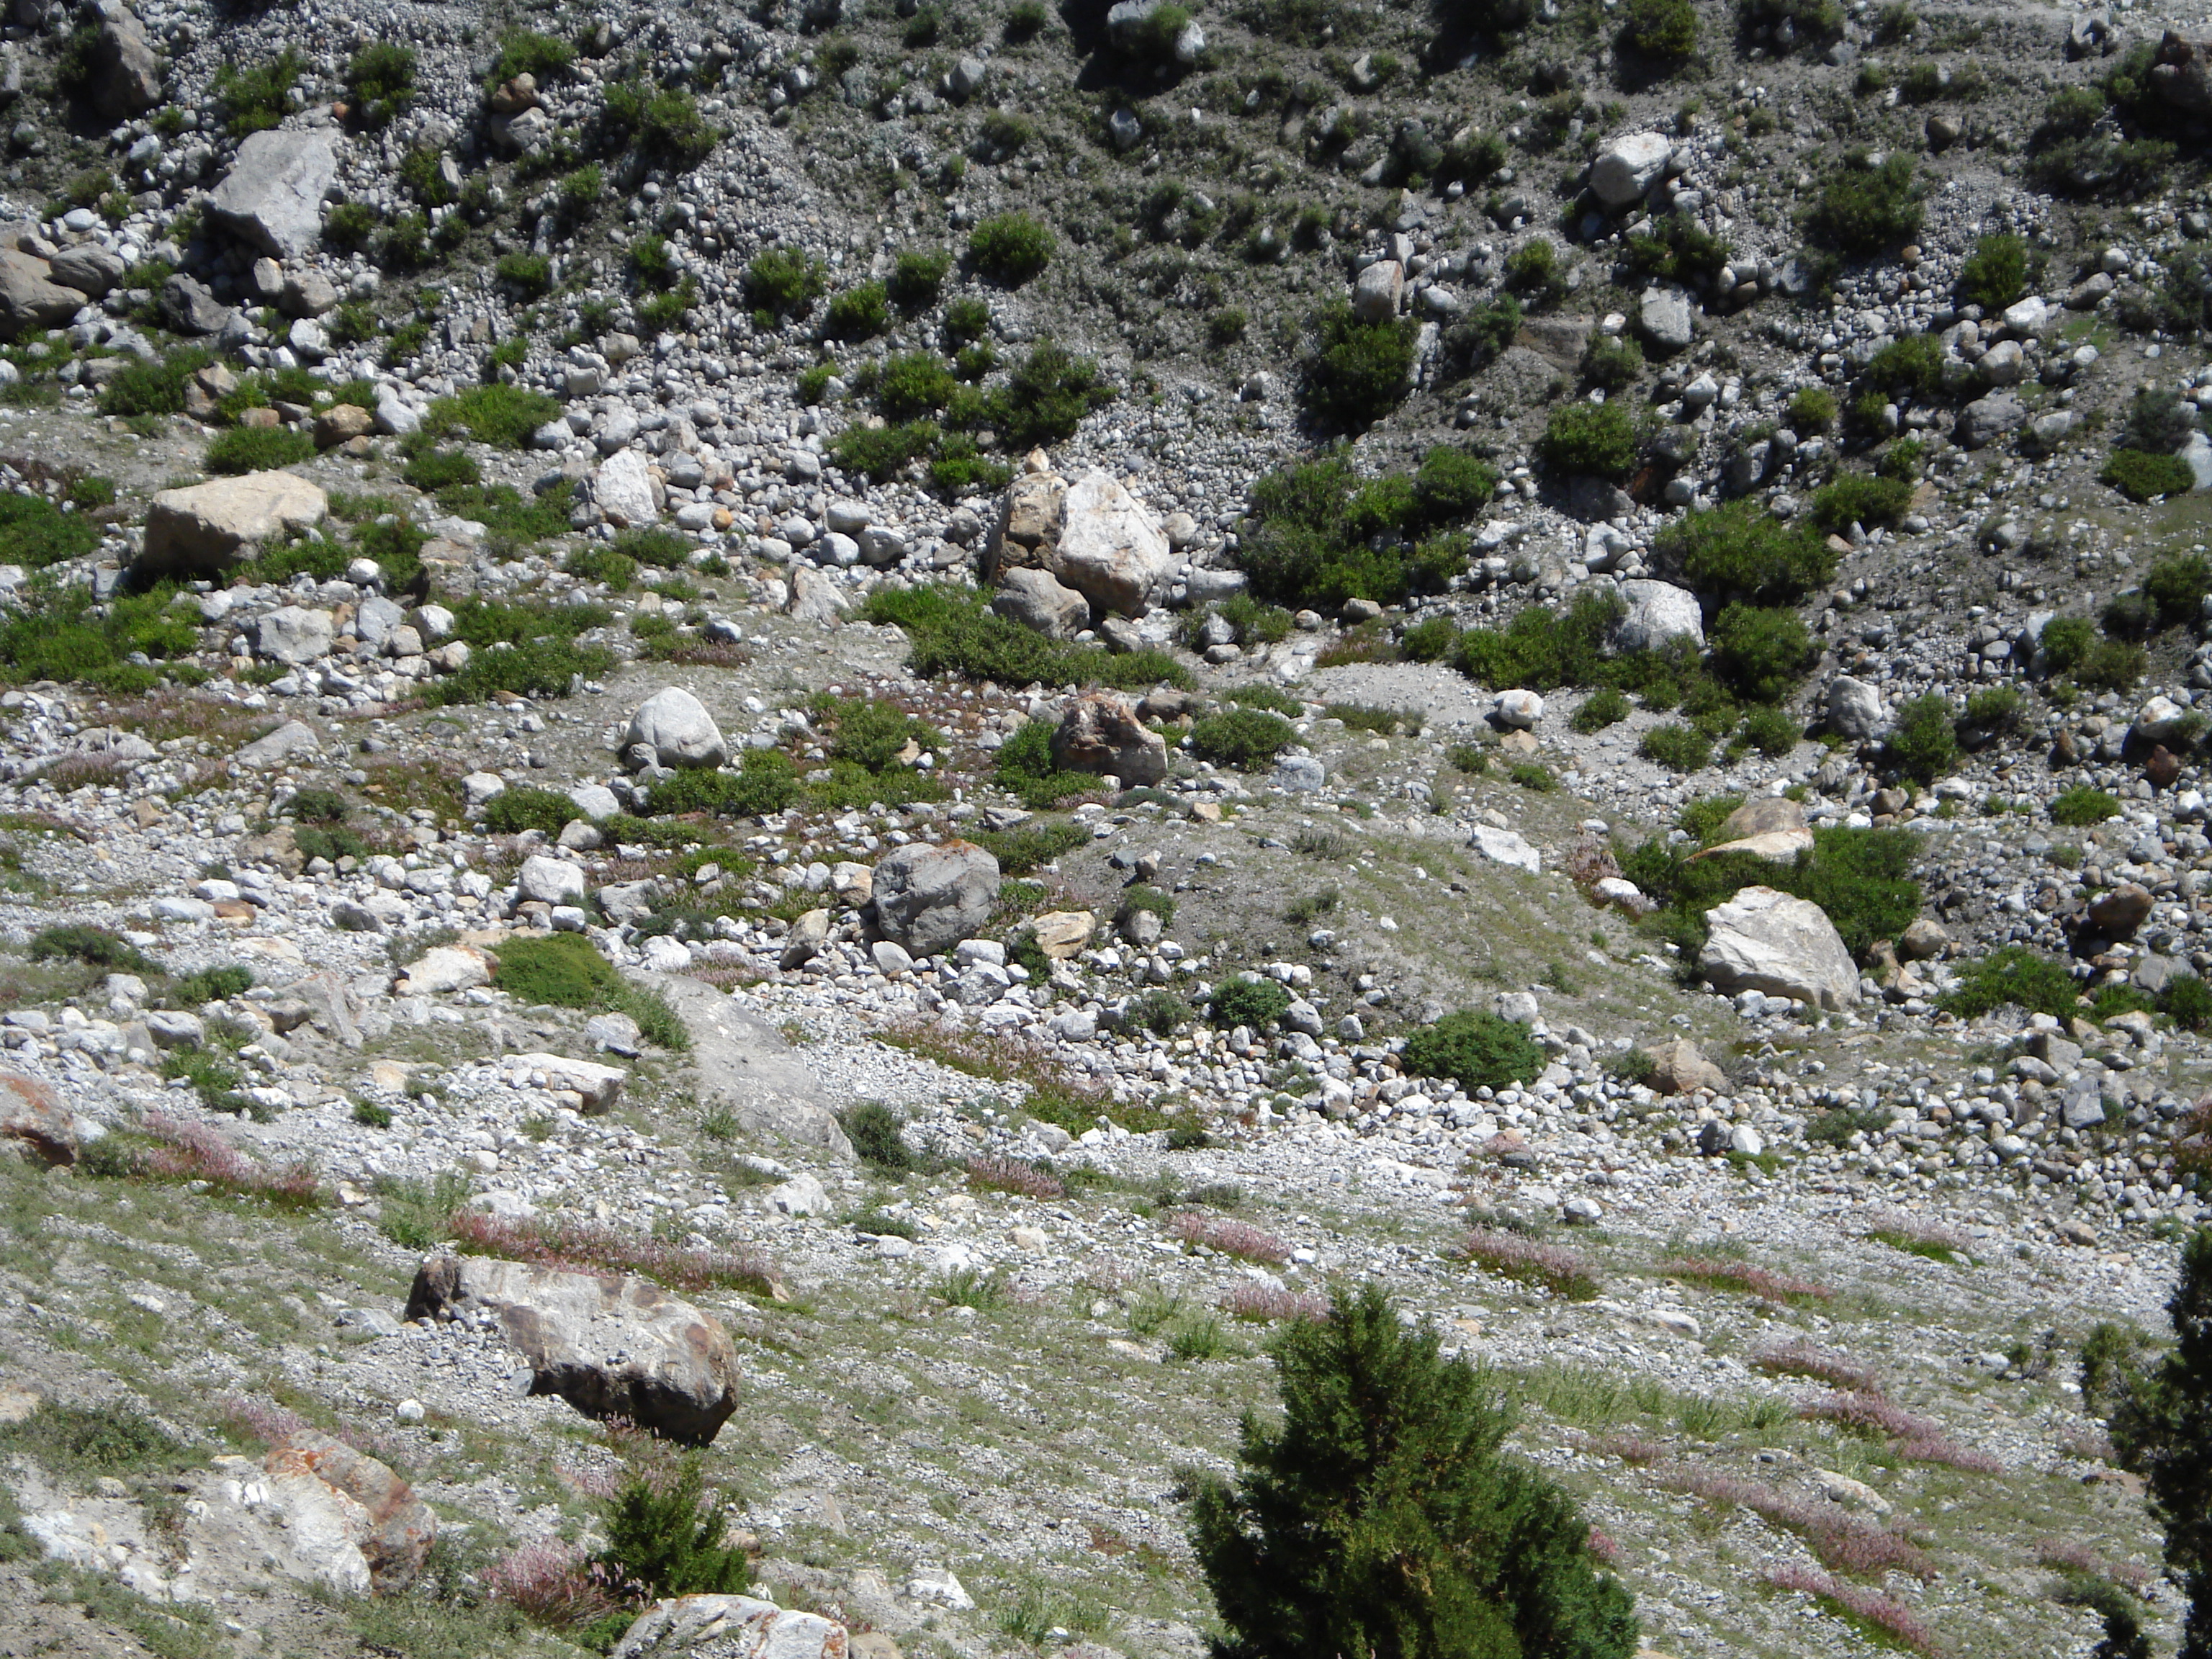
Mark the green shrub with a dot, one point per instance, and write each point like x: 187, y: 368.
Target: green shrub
x: 526, y: 51
x: 1429, y: 640
x: 2080, y: 806
x: 1010, y: 248
x: 783, y: 283
x: 1995, y: 274
x: 665, y: 1538
x: 966, y: 320
x: 529, y: 274
x: 1541, y: 650
x: 1865, y: 210
x: 660, y: 121
x: 1922, y: 744
x: 2177, y: 586
x: 1475, y: 1049
x: 1602, y: 707
x: 207, y: 985
x: 1255, y: 1003
x: 1677, y: 747
x: 2142, y: 476
x: 1761, y: 653
x: 1913, y: 364
x: 253, y: 97
x: 1659, y: 28
x: 35, y: 533
x: 2187, y: 1001
x: 1026, y: 19
x: 2066, y: 640
x: 1046, y: 397
x: 1599, y: 440
x: 1612, y: 361
x: 83, y: 941
x: 766, y: 781
x: 258, y: 449
x: 859, y: 313
x: 1860, y: 878
x: 1319, y: 535
x: 514, y: 811
x: 1024, y: 768
x: 913, y: 385
x: 1533, y: 269
x: 1741, y: 550
x: 1772, y: 731
x: 1354, y: 372
x: 875, y: 1131
x: 380, y: 78
x: 153, y: 388
x: 916, y: 279
x: 547, y: 666
x: 1812, y: 410
x: 1242, y: 738
x: 2014, y: 974
x: 878, y: 452
x: 1382, y: 1516
x: 1021, y: 850
x: 1676, y: 248
x: 1855, y: 498
x: 501, y: 415
x: 953, y: 631
x: 564, y: 970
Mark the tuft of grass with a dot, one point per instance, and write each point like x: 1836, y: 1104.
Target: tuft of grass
x: 1509, y: 1256
x: 1723, y: 1275
x: 565, y: 970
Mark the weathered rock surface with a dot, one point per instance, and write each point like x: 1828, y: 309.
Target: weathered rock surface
x: 34, y: 1122
x: 1680, y: 1066
x: 1109, y: 549
x: 1102, y: 734
x: 610, y: 1346
x: 203, y: 528
x: 730, y: 1627
x: 743, y: 1064
x: 1039, y: 601
x: 928, y: 898
x: 29, y: 296
x: 676, y: 727
x: 1657, y: 612
x: 273, y: 194
x: 1766, y: 940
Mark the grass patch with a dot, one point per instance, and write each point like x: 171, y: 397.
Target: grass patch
x: 565, y: 970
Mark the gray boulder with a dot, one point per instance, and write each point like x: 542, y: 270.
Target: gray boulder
x: 1038, y: 600
x: 273, y: 194
x: 295, y: 739
x: 736, y: 1627
x: 928, y: 898
x: 125, y: 73
x: 88, y: 268
x: 1375, y: 294
x: 293, y: 635
x: 1665, y: 316
x: 30, y: 298
x: 676, y: 727
x: 1985, y: 420
x: 1854, y: 708
x: 1657, y: 612
x: 1627, y: 167
x: 741, y: 1064
x: 1766, y: 940
x: 189, y: 308
x: 610, y: 1346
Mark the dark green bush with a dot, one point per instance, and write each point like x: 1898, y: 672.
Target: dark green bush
x: 546, y: 666
x: 1659, y: 28
x: 1913, y: 364
x: 380, y: 78
x: 783, y: 283
x: 514, y: 811
x: 2066, y: 640
x: 207, y: 985
x: 100, y: 947
x: 1024, y: 767
x: 1854, y: 498
x: 1922, y: 744
x: 1761, y: 653
x: 258, y: 449
x: 1532, y: 269
x: 1541, y: 650
x: 1865, y: 210
x: 953, y: 631
x: 2081, y: 806
x: 766, y: 781
x: 1475, y: 1049
x: 1353, y: 373
x: 501, y: 415
x: 1603, y: 707
x: 1772, y: 731
x: 2187, y: 1001
x: 2142, y: 476
x: 1382, y: 1517
x: 1599, y: 440
x: 665, y: 1538
x: 526, y: 51
x: 254, y: 97
x: 2015, y: 974
x: 35, y: 533
x: 1431, y: 639
x: 1319, y: 535
x: 878, y: 452
x: 2102, y: 140
x: 1046, y: 395
x: 1022, y: 849
x: 1676, y: 248
x: 875, y: 1131
x: 858, y: 313
x: 664, y: 122
x: 153, y: 388
x: 1243, y: 738
x: 1812, y: 410
x: 1612, y: 361
x: 1741, y: 550
x: 1010, y: 248
x: 1995, y: 274
x: 1256, y: 1003
x: 2177, y: 586
x: 529, y: 274
x: 1676, y: 747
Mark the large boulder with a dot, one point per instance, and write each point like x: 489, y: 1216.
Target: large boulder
x: 328, y: 1488
x: 622, y: 487
x: 124, y: 76
x: 1665, y: 316
x: 204, y: 528
x: 731, y: 1627
x: 1985, y: 420
x: 33, y: 1121
x: 1027, y: 523
x: 294, y: 740
x: 742, y: 1064
x: 1681, y: 1067
x: 1111, y: 550
x: 676, y: 727
x: 928, y: 898
x: 1766, y: 940
x: 1039, y: 601
x: 273, y: 194
x: 292, y: 635
x: 610, y: 1346
x: 1854, y: 708
x: 1378, y: 290
x: 30, y: 298
x: 1102, y: 734
x: 1657, y: 612
x: 88, y: 268
x: 1627, y: 167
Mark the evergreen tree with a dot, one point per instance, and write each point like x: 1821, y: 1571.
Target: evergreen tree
x: 1380, y: 1520
x: 665, y: 1538
x: 2163, y: 1430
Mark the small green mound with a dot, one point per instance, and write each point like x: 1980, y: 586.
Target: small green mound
x: 1476, y: 1049
x: 2018, y: 976
x: 514, y: 811
x: 1256, y: 1003
x: 564, y: 970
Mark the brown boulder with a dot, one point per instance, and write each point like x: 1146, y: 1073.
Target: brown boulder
x: 1763, y: 816
x: 2120, y: 912
x: 393, y: 1529
x: 1102, y: 734
x: 1681, y: 1067
x: 34, y: 1121
x: 2177, y: 74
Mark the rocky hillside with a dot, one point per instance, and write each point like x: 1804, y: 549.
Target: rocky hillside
x: 777, y: 767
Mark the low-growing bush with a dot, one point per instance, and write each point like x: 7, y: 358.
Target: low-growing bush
x: 1354, y: 372
x: 1254, y: 1003
x: 662, y: 122
x: 35, y: 533
x: 1924, y: 744
x: 1664, y: 29
x: 1024, y: 768
x: 784, y: 284
x: 2014, y: 974
x: 258, y: 449
x: 1678, y: 747
x: 254, y: 97
x: 858, y: 313
x: 952, y: 631
x: 2141, y: 476
x: 1812, y: 410
x: 381, y: 81
x: 766, y: 781
x: 1612, y: 361
x: 1740, y: 550
x: 1603, y: 707
x: 1476, y: 1049
x: 514, y: 811
x: 1857, y: 499
x: 917, y: 278
x: 1865, y: 209
x: 2081, y: 806
x: 1861, y: 878
x: 1598, y: 440
x: 503, y: 417
x: 1242, y: 738
x: 1319, y: 534
x: 1761, y: 653
x: 1995, y: 274
x: 1010, y: 248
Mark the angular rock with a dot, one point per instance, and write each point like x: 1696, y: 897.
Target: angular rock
x: 1777, y: 846
x: 293, y: 635
x: 1110, y: 550
x: 289, y: 742
x: 33, y: 1121
x: 928, y: 898
x: 550, y: 880
x: 610, y: 1346
x: 733, y: 1628
x: 1506, y: 846
x: 814, y: 597
x: 805, y: 940
x: 2118, y: 913
x: 1378, y: 293
x: 1665, y: 316
x: 1061, y: 934
x: 1681, y: 1067
x: 622, y: 487
x: 601, y: 1086
x: 1985, y: 420
x: 1101, y: 734
x: 1039, y: 601
x: 445, y: 968
x: 273, y: 194
x: 190, y: 307
x: 743, y: 1065
x: 204, y: 528
x: 126, y: 74
x: 1657, y: 612
x: 88, y: 268
x: 371, y: 1508
x: 1925, y: 938
x: 1627, y: 167
x: 676, y: 727
x: 1766, y: 940
x: 1854, y: 708
x: 29, y: 297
